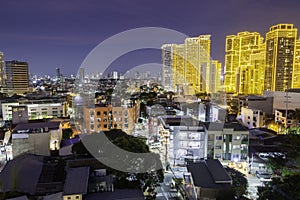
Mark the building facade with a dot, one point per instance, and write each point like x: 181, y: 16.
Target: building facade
x: 37, y: 109
x: 17, y: 80
x: 105, y: 118
x: 36, y: 138
x: 296, y: 73
x: 252, y: 118
x: 190, y: 65
x: 167, y: 66
x: 280, y: 52
x: 244, y: 63
x: 227, y: 142
x: 215, y: 82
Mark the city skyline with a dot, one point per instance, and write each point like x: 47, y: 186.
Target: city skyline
x: 60, y: 34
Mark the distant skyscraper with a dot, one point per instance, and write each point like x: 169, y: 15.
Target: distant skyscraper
x: 167, y: 67
x: 17, y: 77
x: 58, y: 74
x: 280, y: 50
x: 81, y: 74
x: 296, y: 73
x: 242, y: 68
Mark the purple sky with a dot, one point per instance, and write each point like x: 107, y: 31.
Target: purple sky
x: 59, y: 33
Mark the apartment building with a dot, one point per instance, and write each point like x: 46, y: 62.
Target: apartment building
x: 107, y: 117
x: 227, y: 141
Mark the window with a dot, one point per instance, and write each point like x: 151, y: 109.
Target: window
x: 105, y: 126
x: 235, y: 156
x: 244, y: 138
x: 236, y: 137
x: 244, y: 147
x: 98, y: 113
x: 218, y: 147
x: 235, y: 146
x: 218, y: 137
x: 218, y: 156
x: 104, y: 113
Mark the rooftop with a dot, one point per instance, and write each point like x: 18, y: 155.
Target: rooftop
x: 172, y: 120
x: 36, y: 125
x: 21, y: 174
x: 79, y: 176
x: 209, y: 174
x: 235, y: 126
x: 120, y: 194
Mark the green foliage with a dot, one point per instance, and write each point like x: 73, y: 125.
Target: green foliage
x: 239, y: 182
x: 10, y: 195
x: 131, y: 144
x: 284, y: 188
x: 67, y: 133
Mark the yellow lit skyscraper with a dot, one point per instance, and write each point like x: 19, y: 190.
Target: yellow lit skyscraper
x: 280, y: 49
x: 178, y: 66
x: 242, y: 52
x: 296, y: 73
x: 215, y: 76
x: 256, y: 71
x: 191, y: 65
x: 192, y: 70
x: 204, y: 62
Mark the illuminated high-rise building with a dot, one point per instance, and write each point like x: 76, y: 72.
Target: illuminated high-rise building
x: 191, y: 64
x: 178, y: 67
x: 2, y: 80
x: 296, y: 73
x: 215, y: 72
x: 280, y: 50
x: 167, y: 66
x: 17, y: 77
x: 256, y: 73
x: 191, y: 61
x: 240, y: 74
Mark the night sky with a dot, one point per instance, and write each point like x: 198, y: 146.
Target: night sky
x: 59, y: 33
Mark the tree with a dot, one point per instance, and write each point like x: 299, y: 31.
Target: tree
x: 131, y: 144
x: 239, y: 182
x: 286, y: 188
x: 296, y: 114
x: 67, y: 133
